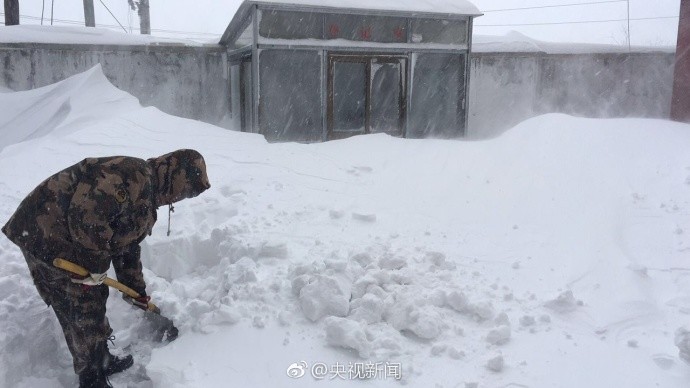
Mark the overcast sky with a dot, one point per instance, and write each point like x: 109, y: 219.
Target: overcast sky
x: 203, y: 19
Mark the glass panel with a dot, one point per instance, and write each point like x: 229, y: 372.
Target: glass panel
x: 247, y: 36
x: 439, y: 31
x: 290, y: 99
x: 291, y: 25
x: 366, y: 28
x: 386, y: 103
x: 349, y: 96
x: 438, y: 93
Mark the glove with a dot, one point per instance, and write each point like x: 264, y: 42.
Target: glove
x: 141, y: 302
x: 93, y: 279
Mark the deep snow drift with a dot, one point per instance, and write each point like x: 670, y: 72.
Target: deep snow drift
x: 556, y: 255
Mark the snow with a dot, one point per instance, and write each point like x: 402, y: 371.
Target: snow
x: 355, y: 43
x: 516, y: 42
x: 510, y: 42
x: 460, y: 7
x: 83, y: 35
x: 555, y: 255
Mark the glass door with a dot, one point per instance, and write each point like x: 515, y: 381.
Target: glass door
x: 349, y: 97
x: 386, y: 96
x: 366, y: 94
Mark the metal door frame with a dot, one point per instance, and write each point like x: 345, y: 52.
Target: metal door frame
x: 368, y: 59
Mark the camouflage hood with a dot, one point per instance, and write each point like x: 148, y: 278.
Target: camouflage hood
x: 178, y: 175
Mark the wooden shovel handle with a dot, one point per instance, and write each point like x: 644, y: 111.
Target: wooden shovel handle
x: 81, y: 271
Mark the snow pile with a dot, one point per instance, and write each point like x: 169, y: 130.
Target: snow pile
x: 558, y: 249
x: 82, y: 35
x: 516, y: 42
x: 43, y: 112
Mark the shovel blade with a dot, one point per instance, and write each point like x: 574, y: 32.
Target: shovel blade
x: 161, y: 328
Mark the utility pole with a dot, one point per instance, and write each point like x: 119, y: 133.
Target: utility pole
x: 629, y: 26
x: 144, y: 17
x: 11, y: 12
x: 89, y: 15
x: 680, y: 102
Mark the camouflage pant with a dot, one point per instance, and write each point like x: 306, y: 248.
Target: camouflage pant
x: 80, y: 311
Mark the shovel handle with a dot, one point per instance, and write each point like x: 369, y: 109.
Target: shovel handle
x: 81, y: 271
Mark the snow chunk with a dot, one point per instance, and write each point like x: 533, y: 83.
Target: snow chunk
x: 243, y: 271
x: 363, y: 259
x: 364, y: 217
x: 455, y: 354
x: 495, y: 364
x: 438, y: 261
x: 368, y: 308
x: 527, y: 320
x: 682, y: 341
x: 348, y: 334
x: 481, y: 311
x: 363, y: 285
x: 324, y: 296
x: 663, y: 361
x: 299, y: 282
x: 392, y: 263
x: 223, y: 316
x: 564, y: 303
x: 499, y: 336
x: 457, y: 301
x: 502, y: 319
x: 424, y: 321
x: 276, y: 250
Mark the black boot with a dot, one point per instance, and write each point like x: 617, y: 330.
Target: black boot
x: 113, y: 364
x: 93, y: 378
x: 116, y: 364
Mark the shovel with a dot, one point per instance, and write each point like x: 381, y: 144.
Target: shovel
x: 162, y: 327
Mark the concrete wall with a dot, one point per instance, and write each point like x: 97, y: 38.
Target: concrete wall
x: 184, y: 81
x: 505, y: 88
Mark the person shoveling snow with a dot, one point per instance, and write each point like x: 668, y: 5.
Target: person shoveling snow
x: 93, y: 213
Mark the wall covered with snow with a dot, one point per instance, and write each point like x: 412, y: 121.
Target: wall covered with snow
x: 505, y: 87
x: 184, y: 81
x: 502, y: 92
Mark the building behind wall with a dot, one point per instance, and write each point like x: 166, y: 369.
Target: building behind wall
x: 307, y: 70
x: 512, y: 79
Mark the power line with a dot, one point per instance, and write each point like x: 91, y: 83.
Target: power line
x: 556, y: 5
x: 111, y: 14
x: 576, y: 22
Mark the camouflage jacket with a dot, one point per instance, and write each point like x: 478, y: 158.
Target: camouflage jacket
x: 88, y: 213
x: 100, y: 209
